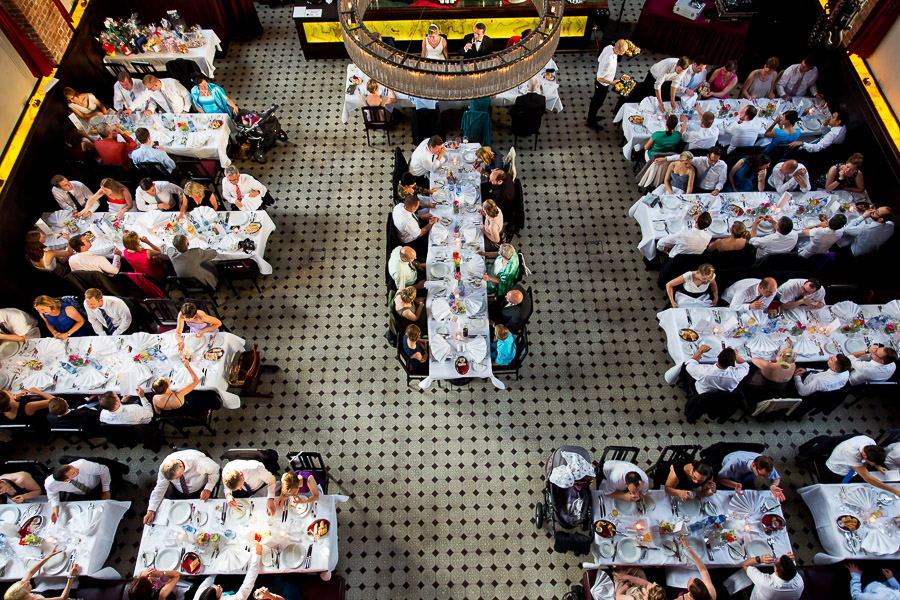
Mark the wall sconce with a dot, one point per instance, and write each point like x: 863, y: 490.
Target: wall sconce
x: 867, y: 82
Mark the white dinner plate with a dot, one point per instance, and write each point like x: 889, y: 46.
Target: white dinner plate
x: 854, y: 344
x: 479, y: 367
x: 201, y: 518
x: 671, y: 202
x: 8, y: 348
x: 268, y: 557
x: 194, y: 343
x: 690, y: 507
x: 627, y: 551
x: 719, y: 226
x: 700, y: 314
x: 812, y: 124
x: 668, y: 547
x: 659, y: 225
x: 696, y: 545
x: 605, y: 548
x: 293, y: 555
x: 442, y: 330
x: 758, y: 548
x: 810, y: 221
x: 4, y: 381
x: 625, y: 507
x: 649, y: 504
x: 765, y: 227
x: 167, y: 559
x: 9, y: 514
x: 735, y: 551
x: 301, y: 509
x: 688, y: 348
x: 238, y: 218
x: 440, y: 270
x: 180, y: 512
x: 469, y: 156
x: 676, y: 226
x: 241, y: 512
x: 56, y: 563
x: 478, y: 322
x: 441, y: 196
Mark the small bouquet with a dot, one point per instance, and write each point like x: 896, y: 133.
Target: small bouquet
x: 854, y: 326
x: 259, y: 536
x: 34, y: 364
x: 728, y: 536
x: 741, y: 332
x: 76, y: 360
x: 891, y: 328
x: 798, y: 329
x: 704, y: 89
x: 769, y: 110
x: 631, y: 50
x: 143, y: 357
x: 665, y: 527
x: 762, y: 209
x: 70, y: 226
x: 204, y: 539
x: 724, y: 110
x: 119, y: 227
x: 30, y: 540
x: 624, y: 86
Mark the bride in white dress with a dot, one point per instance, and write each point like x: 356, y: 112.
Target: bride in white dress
x: 434, y: 46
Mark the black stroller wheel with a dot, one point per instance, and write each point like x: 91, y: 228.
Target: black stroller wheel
x: 259, y: 156
x: 539, y: 515
x: 281, y: 135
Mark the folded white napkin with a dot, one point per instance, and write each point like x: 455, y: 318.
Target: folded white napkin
x: 90, y: 378
x: 468, y: 196
x: 603, y: 588
x: 878, y: 542
x: 846, y: 310
x: 440, y: 309
x: 763, y: 343
x: 473, y: 305
x: 154, y: 217
x: 139, y: 374
x: 229, y: 243
x: 250, y: 203
x: 180, y: 377
x: 648, y: 104
x: 468, y: 233
x: 60, y: 216
x: 104, y: 346
x: 439, y: 233
x: 141, y: 340
x: 86, y: 521
x: 477, y: 348
x: 440, y: 349
x: 806, y: 346
x: 892, y: 309
x: 862, y: 497
x: 232, y: 559
x: 38, y: 380
x: 475, y: 269
x: 101, y: 247
x: 205, y: 212
x: 51, y: 347
x: 748, y: 502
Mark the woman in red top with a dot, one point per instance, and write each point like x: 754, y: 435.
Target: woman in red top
x: 143, y: 260
x: 117, y: 195
x: 722, y: 80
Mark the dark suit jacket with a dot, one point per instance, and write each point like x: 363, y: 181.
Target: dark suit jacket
x: 487, y: 46
x: 81, y: 417
x: 530, y: 101
x: 515, y: 317
x: 504, y: 194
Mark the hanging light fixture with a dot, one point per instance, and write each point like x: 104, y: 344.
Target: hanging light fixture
x: 455, y: 79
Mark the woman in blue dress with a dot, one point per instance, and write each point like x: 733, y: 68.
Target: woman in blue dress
x: 784, y: 134
x: 210, y: 98
x: 62, y: 319
x: 749, y: 174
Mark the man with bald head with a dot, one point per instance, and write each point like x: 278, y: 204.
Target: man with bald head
x: 404, y: 269
x: 751, y: 294
x: 606, y: 74
x: 513, y: 309
x: 789, y: 175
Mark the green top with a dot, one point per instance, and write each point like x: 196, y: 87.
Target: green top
x: 663, y: 142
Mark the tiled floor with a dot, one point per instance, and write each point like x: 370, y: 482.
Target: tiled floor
x: 443, y: 483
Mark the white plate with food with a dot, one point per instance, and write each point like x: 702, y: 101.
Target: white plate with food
x: 180, y: 512
x: 168, y: 559
x: 241, y: 512
x: 301, y: 508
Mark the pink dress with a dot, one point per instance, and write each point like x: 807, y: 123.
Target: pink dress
x: 717, y: 85
x: 140, y: 262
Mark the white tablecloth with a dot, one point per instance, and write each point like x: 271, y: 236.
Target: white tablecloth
x: 202, y: 55
x: 656, y: 121
x: 625, y: 527
x: 165, y: 534
x: 672, y: 320
x: 355, y: 76
x: 91, y: 545
x: 825, y: 506
x: 112, y: 359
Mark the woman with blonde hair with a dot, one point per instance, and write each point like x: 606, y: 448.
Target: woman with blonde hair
x: 679, y: 175
x: 775, y: 374
x: 144, y: 260
x: 409, y: 307
x: 117, y: 196
x: 21, y: 590
x: 375, y: 99
x: 504, y: 269
x: 434, y: 45
x: 62, y: 319
x: 492, y: 228
x: 54, y: 261
x: 301, y: 487
x: 736, y: 241
x: 486, y: 160
x: 632, y: 584
x: 83, y: 105
x: 694, y: 288
x: 198, y: 195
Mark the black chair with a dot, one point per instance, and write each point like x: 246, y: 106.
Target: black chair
x: 85, y: 280
x: 182, y: 422
x: 138, y: 66
x: 400, y: 167
x: 778, y: 153
x: 812, y: 454
x: 884, y: 389
x: 521, y: 354
x: 392, y: 238
x: 678, y: 265
x: 742, y: 151
x: 155, y: 171
x: 625, y: 453
x: 129, y: 436
x: 205, y: 172
x: 516, y: 221
x: 715, y: 454
x: 191, y: 287
x: 426, y: 122
x: 269, y: 458
x: 376, y: 118
x: 404, y: 363
x: 183, y: 70
x: 238, y: 270
x: 163, y: 312
x: 716, y: 405
x: 891, y: 436
x: 820, y: 403
x: 310, y: 461
x: 659, y: 472
x: 839, y: 292
x: 525, y: 123
x: 117, y: 172
x: 114, y: 68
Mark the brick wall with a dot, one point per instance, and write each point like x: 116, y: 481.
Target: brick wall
x: 43, y: 23
x: 858, y: 21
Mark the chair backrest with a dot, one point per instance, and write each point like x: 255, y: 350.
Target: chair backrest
x: 114, y: 68
x: 232, y: 270
x: 116, y: 469
x: 245, y: 367
x: 207, y: 306
x: 521, y: 346
x: 393, y: 317
x: 777, y: 405
x: 85, y: 280
x: 426, y: 122
x: 375, y: 117
x: 882, y: 296
x: 527, y: 313
x: 267, y: 456
x: 626, y: 453
x: 140, y: 66
x: 198, y: 170
x: 509, y: 163
x: 891, y: 436
x: 163, y: 310
x: 659, y: 472
x: 526, y: 121
x: 183, y: 70
x: 717, y: 405
x: 822, y: 402
x: 35, y: 468
x: 155, y: 171
x: 676, y: 266
x: 188, y: 285
x: 392, y: 236
x: 145, y: 286
x: 518, y: 216
x: 400, y: 167
x: 477, y: 125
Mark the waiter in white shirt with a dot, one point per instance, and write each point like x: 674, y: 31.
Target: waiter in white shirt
x: 784, y: 584
x: 668, y: 72
x: 868, y: 232
x: 17, y: 325
x: 248, y: 478
x: 74, y: 195
x: 108, y: 315
x: 606, y: 74
x: 723, y: 376
x: 245, y: 192
x: 78, y: 477
x: 208, y: 590
x: 623, y: 480
x: 856, y: 456
x: 129, y: 94
x: 797, y: 293
x: 690, y: 241
x: 788, y: 176
x: 878, y: 363
x: 83, y: 260
x: 751, y: 294
x: 157, y: 195
x: 834, y: 378
x: 835, y: 134
x: 114, y: 411
x: 169, y: 95
x: 783, y: 240
x: 797, y: 79
x: 711, y: 170
x: 190, y: 473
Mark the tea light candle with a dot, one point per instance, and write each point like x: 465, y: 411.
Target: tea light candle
x: 638, y: 526
x: 715, y: 330
x: 746, y: 526
x: 872, y: 519
x: 20, y: 363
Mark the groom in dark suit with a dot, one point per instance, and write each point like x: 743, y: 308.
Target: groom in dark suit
x: 476, y: 45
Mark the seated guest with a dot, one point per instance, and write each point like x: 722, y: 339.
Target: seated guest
x: 168, y: 94
x: 724, y: 376
x: 782, y: 131
x: 741, y: 470
x: 711, y: 171
x: 62, y: 319
x: 623, y: 480
x: 196, y: 195
x: 20, y: 408
x: 680, y: 175
x: 193, y: 262
x: 211, y: 98
x: 703, y: 138
x: 410, y: 308
x: 688, y: 475
x: 487, y: 160
x: 245, y: 192
x: 694, y: 288
x: 868, y: 232
x: 761, y: 82
x: 492, y: 228
x: 184, y: 474
x: 852, y: 459
x: 80, y: 477
x: 631, y: 582
x: 21, y: 590
x: 533, y: 100
x: 735, y: 242
x: 146, y: 153
x: 692, y: 78
x: 834, y: 378
x: 664, y: 141
x: 300, y: 487
x: 517, y: 38
x: 504, y: 270
x: 373, y: 98
x: 157, y: 195
x: 18, y: 487
x: 690, y: 241
x: 84, y: 105
x: 749, y: 174
x: 845, y: 177
x: 784, y: 584
x: 132, y: 410
x: 503, y: 191
x: 878, y: 363
x: 823, y: 235
x: 207, y: 589
x: 751, y: 294
x: 406, y: 221
x: 775, y: 374
x: 129, y: 94
x: 697, y: 589
x: 117, y: 196
x: 889, y: 590
x: 404, y: 269
x: 17, y: 325
x: 503, y: 350
x: 198, y: 322
x: 53, y: 261
x: 783, y: 240
x: 476, y: 44
x: 797, y: 79
x: 144, y: 260
x: 514, y: 311
x: 415, y: 349
x: 434, y: 45
x: 153, y: 584
x: 61, y: 416
x: 110, y: 149
x: 788, y: 176
x: 408, y: 187
x: 248, y: 478
x: 426, y: 158
x: 79, y: 146
x: 796, y: 293
x: 74, y: 195
x: 722, y: 80
x: 167, y: 399
x: 745, y: 131
x: 835, y: 128
x: 107, y: 315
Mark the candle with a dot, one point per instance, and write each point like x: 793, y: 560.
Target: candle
x: 715, y: 330
x: 872, y: 519
x: 747, y: 527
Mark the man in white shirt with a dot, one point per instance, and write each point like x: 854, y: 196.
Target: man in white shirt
x: 125, y: 412
x: 208, y: 590
x: 703, y: 138
x: 797, y: 79
x: 190, y: 473
x: 146, y: 153
x: 668, y: 72
x: 751, y: 294
x: 244, y: 191
x: 868, y: 232
x: 822, y: 236
x: 797, y: 293
x: 606, y: 74
x: 406, y: 221
x: 404, y: 269
x: 157, y: 195
x: 623, y: 480
x: 426, y: 158
x: 745, y: 131
x: 788, y: 175
x: 836, y: 133
x: 248, y: 478
x: 783, y: 240
x: 878, y: 363
x: 689, y: 241
x: 724, y: 376
x: 834, y: 378
x: 784, y: 584
x: 74, y: 195
x: 692, y: 78
x: 742, y: 469
x: 78, y: 477
x: 856, y: 457
x: 17, y: 325
x: 711, y: 170
x: 889, y: 590
x: 83, y: 260
x: 108, y: 315
x: 169, y: 95
x: 129, y: 94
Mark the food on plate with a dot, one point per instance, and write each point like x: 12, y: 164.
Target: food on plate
x: 848, y: 523
x: 253, y: 227
x: 318, y: 528
x: 773, y: 522
x: 355, y: 79
x: 462, y: 365
x: 214, y: 354
x: 689, y: 335
x: 604, y: 529
x: 636, y: 119
x: 190, y: 563
x: 216, y: 124
x: 735, y: 210
x: 549, y: 76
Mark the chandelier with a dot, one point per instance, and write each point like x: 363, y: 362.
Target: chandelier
x: 454, y: 79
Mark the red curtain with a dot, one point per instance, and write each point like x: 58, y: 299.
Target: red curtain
x: 65, y: 14
x: 877, y: 24
x: 38, y: 63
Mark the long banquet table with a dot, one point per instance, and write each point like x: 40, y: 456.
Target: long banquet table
x: 202, y: 55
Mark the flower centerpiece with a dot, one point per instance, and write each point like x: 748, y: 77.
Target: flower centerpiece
x: 30, y: 540
x: 728, y: 536
x: 631, y: 50
x: 665, y: 527
x: 854, y: 326
x: 624, y: 85
x: 798, y: 329
x: 741, y: 332
x: 35, y: 364
x: 204, y: 539
x: 769, y: 110
x: 724, y: 110
x: 891, y: 328
x: 762, y: 209
x: 142, y: 357
x: 77, y: 361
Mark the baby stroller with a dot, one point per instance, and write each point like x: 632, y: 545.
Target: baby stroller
x: 260, y: 130
x: 567, y: 498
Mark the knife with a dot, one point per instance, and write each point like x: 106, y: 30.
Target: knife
x: 309, y: 556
